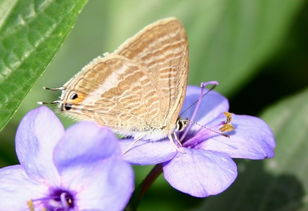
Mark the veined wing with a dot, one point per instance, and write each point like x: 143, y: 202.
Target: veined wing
x: 113, y: 91
x: 162, y: 48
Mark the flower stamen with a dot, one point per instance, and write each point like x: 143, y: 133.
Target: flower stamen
x: 198, y: 104
x: 227, y: 126
x: 66, y: 201
x: 58, y: 199
x: 30, y: 205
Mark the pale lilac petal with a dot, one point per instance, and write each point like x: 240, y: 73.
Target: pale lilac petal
x: 212, y: 105
x: 146, y: 152
x: 251, y: 139
x: 101, y: 185
x: 37, y: 134
x: 89, y: 160
x: 16, y: 188
x: 83, y: 143
x: 200, y: 173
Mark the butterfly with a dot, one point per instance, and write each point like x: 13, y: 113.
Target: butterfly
x: 139, y: 89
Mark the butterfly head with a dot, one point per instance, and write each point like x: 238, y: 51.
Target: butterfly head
x: 70, y: 99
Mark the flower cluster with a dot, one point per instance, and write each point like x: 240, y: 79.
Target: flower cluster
x: 85, y: 167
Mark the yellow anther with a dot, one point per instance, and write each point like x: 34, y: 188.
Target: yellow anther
x: 30, y: 205
x: 227, y: 126
x: 228, y: 116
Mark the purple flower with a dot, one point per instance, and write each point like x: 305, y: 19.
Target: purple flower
x: 204, y: 165
x: 77, y: 169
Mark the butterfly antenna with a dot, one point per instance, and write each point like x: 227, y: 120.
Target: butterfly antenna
x: 54, y: 89
x: 48, y: 103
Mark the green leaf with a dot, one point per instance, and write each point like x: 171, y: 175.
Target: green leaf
x: 280, y: 183
x: 31, y: 32
x: 229, y: 39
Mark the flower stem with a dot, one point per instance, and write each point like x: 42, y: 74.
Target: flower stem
x: 144, y: 187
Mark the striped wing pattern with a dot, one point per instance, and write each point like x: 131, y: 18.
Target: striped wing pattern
x: 115, y: 92
x: 139, y: 87
x: 162, y: 47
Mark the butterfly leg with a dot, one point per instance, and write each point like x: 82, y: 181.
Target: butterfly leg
x: 175, y: 142
x: 136, y: 139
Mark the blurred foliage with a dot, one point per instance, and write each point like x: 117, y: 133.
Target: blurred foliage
x: 257, y: 50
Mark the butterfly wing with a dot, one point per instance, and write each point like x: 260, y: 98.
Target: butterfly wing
x: 139, y: 87
x: 113, y: 91
x: 162, y: 48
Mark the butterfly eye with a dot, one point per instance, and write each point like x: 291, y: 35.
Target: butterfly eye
x: 67, y: 106
x: 74, y: 96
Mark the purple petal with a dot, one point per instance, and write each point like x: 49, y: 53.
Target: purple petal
x: 94, y: 168
x: 37, y: 134
x: 16, y: 188
x: 252, y: 139
x: 146, y: 152
x: 101, y: 185
x: 200, y: 173
x: 83, y: 143
x: 212, y: 105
